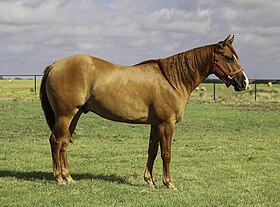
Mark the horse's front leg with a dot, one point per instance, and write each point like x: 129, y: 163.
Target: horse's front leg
x: 152, y: 153
x: 166, y: 132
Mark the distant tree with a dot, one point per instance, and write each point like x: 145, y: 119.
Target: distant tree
x: 1, y: 77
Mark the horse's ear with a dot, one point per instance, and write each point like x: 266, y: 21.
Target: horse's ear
x: 231, y: 40
x: 220, y: 46
x: 226, y: 41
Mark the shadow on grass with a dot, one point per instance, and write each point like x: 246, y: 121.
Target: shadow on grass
x: 39, y: 175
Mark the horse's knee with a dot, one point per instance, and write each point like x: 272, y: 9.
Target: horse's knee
x: 166, y: 157
x: 64, y: 145
x: 55, y: 145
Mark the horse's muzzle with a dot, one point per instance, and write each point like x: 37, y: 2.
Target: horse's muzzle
x: 240, y: 82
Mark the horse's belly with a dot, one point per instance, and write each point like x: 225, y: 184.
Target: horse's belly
x: 120, y: 110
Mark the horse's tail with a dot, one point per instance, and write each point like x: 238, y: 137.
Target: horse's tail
x: 45, y: 103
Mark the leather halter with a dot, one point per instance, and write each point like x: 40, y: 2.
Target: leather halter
x: 230, y: 75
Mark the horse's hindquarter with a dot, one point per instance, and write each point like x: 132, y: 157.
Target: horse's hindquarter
x: 68, y: 83
x: 137, y: 94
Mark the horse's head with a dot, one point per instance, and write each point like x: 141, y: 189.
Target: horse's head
x: 226, y: 65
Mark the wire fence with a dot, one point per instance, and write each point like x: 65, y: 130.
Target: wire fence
x: 210, y: 89
x: 23, y: 77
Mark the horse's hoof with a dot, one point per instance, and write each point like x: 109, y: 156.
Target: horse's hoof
x: 71, y: 181
x: 148, y: 178
x: 152, y: 185
x: 61, y: 182
x: 174, y: 188
x: 170, y: 186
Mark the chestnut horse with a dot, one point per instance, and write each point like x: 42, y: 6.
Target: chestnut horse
x: 153, y: 92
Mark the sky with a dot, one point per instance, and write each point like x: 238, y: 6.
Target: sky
x: 35, y: 33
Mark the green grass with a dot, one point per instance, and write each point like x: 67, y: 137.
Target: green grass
x: 224, y: 153
x: 11, y: 89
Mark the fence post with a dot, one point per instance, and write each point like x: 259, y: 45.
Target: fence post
x: 214, y: 93
x: 35, y: 85
x: 255, y: 90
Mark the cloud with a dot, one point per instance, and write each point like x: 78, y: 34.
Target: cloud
x: 37, y: 32
x: 19, y: 48
x: 178, y: 21
x: 21, y: 13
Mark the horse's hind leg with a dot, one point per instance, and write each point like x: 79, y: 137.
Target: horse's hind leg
x: 63, y: 151
x: 55, y: 148
x: 59, y: 141
x: 64, y: 162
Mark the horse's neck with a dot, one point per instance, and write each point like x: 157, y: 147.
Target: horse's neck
x: 188, y: 69
x: 202, y: 62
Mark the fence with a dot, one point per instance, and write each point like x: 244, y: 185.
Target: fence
x: 253, y: 82
x: 16, y: 76
x: 215, y: 83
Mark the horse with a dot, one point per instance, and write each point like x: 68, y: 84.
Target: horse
x: 153, y: 92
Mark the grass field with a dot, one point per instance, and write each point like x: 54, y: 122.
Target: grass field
x: 225, y: 153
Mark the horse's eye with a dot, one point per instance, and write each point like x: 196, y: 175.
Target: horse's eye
x: 229, y: 59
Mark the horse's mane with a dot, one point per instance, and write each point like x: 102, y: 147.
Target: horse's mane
x: 148, y: 62
x: 186, y: 67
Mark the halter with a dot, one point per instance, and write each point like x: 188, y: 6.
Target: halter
x: 230, y: 75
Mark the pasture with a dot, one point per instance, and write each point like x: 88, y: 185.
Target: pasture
x: 224, y: 153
